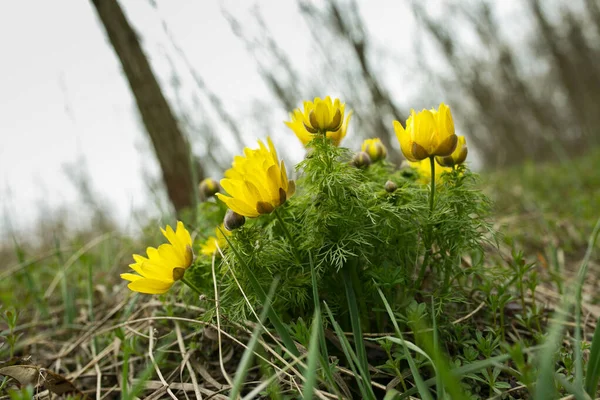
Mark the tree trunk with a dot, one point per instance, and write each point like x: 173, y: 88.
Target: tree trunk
x: 170, y: 145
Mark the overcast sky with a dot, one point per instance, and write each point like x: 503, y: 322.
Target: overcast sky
x: 63, y: 97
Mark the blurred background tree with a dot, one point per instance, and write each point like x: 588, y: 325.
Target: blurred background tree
x: 518, y: 98
x: 170, y: 143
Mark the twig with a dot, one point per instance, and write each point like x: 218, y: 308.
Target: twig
x: 188, y: 387
x: 98, y: 382
x: 94, y: 361
x: 193, y: 321
x: 469, y: 315
x: 185, y: 356
x: 219, y: 341
x: 156, y: 368
x: 206, y: 375
x: 93, y: 331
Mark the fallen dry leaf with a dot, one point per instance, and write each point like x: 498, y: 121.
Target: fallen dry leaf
x: 35, y: 375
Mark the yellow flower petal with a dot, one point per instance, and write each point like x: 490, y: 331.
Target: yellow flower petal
x: 283, y: 179
x: 131, y: 277
x: 423, y: 167
x: 322, y: 116
x: 183, y: 234
x: 239, y: 206
x: 424, y: 133
x: 157, y: 270
x: 274, y: 182
x: 209, y: 247
x: 150, y: 286
x: 255, y: 181
x: 169, y: 233
x: 337, y: 136
x: 458, y: 156
x: 444, y: 121
x: 405, y: 141
x: 137, y: 267
x: 171, y: 257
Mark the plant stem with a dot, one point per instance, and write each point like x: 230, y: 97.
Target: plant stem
x: 423, y: 269
x: 191, y: 285
x: 432, y: 193
x: 289, y: 237
x: 431, y: 198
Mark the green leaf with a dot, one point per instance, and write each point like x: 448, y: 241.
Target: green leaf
x: 313, y: 357
x: 423, y: 389
x: 593, y: 367
x: 245, y: 362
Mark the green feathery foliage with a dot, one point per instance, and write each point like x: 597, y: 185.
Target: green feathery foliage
x: 345, y: 218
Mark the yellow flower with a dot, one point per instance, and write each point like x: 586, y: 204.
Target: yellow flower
x: 423, y: 167
x: 320, y: 117
x: 210, y: 246
x: 164, y: 265
x: 428, y: 133
x: 375, y: 149
x: 457, y: 157
x: 257, y: 182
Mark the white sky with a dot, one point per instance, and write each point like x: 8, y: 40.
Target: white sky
x: 63, y: 96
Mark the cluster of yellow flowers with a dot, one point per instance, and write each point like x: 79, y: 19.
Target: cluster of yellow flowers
x: 257, y: 182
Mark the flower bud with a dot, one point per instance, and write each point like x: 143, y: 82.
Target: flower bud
x: 208, y: 188
x: 361, y: 160
x: 407, y: 171
x: 390, y: 187
x: 375, y: 149
x: 233, y: 220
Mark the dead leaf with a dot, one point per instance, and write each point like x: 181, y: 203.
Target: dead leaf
x: 16, y: 361
x: 35, y: 375
x: 24, y: 374
x: 57, y: 383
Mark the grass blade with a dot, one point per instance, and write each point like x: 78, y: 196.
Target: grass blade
x: 572, y: 387
x: 313, y: 356
x: 593, y: 367
x: 363, y: 385
x: 545, y: 385
x: 465, y: 369
x: 244, y: 365
x: 392, y: 394
x: 324, y: 354
x: 422, y: 388
x: 355, y: 322
x: 441, y: 394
